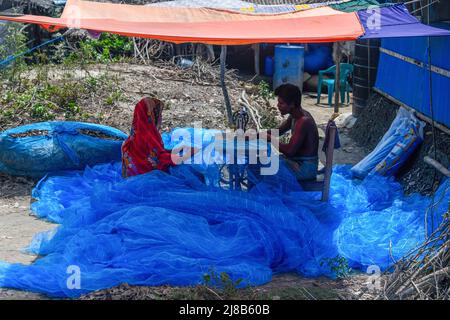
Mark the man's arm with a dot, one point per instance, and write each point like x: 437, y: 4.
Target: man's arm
x: 284, y: 127
x: 297, y: 140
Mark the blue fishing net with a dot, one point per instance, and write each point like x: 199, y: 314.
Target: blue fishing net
x: 161, y: 228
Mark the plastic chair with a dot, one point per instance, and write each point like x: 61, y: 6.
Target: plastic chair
x: 346, y: 70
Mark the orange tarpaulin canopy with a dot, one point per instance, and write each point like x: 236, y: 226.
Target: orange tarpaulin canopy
x: 211, y: 26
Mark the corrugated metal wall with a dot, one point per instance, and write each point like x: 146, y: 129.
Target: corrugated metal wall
x: 403, y: 73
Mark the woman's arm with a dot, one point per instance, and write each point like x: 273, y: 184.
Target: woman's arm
x: 177, y: 159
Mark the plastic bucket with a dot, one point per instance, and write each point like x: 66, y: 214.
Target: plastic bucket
x: 289, y: 65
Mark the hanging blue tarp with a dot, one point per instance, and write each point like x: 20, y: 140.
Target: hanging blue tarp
x: 403, y: 73
x: 416, y: 47
x: 395, y: 21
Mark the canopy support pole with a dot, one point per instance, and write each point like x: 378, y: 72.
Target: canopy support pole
x: 223, y: 57
x: 256, y: 49
x: 437, y: 165
x: 337, y: 82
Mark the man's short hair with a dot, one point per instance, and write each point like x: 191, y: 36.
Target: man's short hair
x: 290, y: 94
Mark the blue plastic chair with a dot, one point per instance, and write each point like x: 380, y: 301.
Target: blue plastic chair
x: 346, y: 70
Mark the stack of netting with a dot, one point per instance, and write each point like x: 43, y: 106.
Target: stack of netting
x: 160, y: 228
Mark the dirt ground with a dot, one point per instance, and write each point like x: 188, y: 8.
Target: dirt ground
x: 188, y: 103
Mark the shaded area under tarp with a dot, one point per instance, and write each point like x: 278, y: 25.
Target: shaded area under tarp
x: 157, y: 229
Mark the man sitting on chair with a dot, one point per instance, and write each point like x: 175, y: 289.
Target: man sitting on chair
x: 301, y: 153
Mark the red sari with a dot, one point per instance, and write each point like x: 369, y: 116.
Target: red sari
x: 144, y: 151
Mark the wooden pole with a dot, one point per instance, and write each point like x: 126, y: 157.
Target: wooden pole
x: 329, y: 163
x: 337, y: 82
x: 438, y: 166
x: 256, y: 48
x: 223, y: 57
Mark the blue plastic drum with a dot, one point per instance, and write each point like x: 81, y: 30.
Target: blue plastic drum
x: 289, y: 64
x: 268, y: 66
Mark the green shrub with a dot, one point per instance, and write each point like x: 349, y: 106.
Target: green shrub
x: 265, y: 91
x: 108, y: 48
x: 221, y: 282
x: 338, y: 265
x: 113, y: 97
x: 14, y: 41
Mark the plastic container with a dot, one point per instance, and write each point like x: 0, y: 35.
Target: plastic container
x: 289, y: 65
x: 42, y: 148
x: 268, y: 66
x: 185, y: 63
x: 318, y: 57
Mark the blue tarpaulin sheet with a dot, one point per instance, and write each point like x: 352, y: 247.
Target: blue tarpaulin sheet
x: 160, y: 228
x: 395, y: 21
x: 416, y: 48
x: 410, y: 83
x: 41, y: 148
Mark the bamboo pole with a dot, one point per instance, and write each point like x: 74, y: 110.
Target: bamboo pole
x: 337, y: 82
x: 437, y: 165
x: 256, y: 48
x: 329, y: 163
x: 223, y: 57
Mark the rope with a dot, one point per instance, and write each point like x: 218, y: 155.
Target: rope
x: 9, y: 59
x: 413, y: 1
x: 369, y: 65
x: 425, y: 6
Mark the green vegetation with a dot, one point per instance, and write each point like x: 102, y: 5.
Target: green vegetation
x: 42, y: 102
x: 45, y: 92
x: 338, y: 265
x: 265, y: 91
x: 268, y: 114
x: 13, y: 43
x: 54, y: 83
x: 109, y: 48
x: 14, y: 40
x: 221, y: 282
x: 269, y: 120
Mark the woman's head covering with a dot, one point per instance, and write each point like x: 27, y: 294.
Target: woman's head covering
x: 144, y: 150
x: 150, y: 109
x: 155, y: 108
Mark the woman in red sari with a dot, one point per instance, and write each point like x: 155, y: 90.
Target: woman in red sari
x: 144, y: 150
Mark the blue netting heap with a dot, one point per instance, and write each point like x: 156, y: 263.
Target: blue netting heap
x: 161, y: 228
